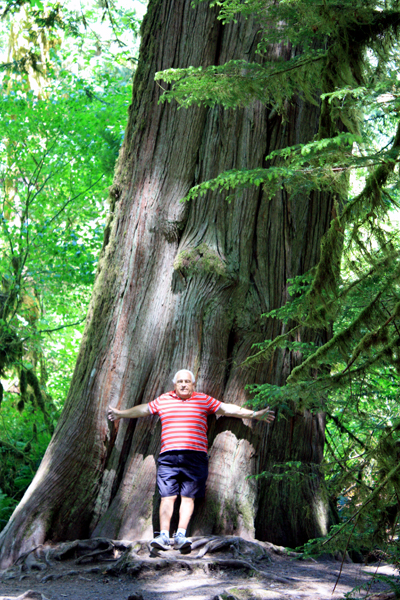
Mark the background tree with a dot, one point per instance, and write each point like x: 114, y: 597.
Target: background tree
x: 60, y: 133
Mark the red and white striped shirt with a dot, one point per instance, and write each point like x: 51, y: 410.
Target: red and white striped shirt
x: 184, y: 422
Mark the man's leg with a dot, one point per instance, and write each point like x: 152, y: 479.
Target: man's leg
x: 166, y: 510
x: 185, y: 512
x: 194, y: 468
x: 161, y: 542
x: 168, y: 486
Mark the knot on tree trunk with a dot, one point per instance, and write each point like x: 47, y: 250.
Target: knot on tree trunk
x: 170, y: 230
x: 200, y: 259
x: 115, y: 191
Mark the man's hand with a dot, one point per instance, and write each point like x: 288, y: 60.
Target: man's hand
x: 113, y: 414
x: 264, y: 415
x: 141, y: 410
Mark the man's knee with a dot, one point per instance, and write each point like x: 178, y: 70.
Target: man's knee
x: 168, y: 500
x: 187, y: 505
x: 187, y: 500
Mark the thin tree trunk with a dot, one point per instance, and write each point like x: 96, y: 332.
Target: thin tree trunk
x: 183, y: 285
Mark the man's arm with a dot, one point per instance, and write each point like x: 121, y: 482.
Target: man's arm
x: 141, y: 410
x: 232, y: 410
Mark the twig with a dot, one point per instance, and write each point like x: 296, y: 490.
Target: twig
x: 344, y: 554
x: 61, y: 326
x: 69, y: 201
x: 342, y: 428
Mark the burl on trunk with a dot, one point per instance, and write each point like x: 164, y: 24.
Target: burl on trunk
x: 183, y: 285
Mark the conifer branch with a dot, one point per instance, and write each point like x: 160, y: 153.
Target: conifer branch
x: 372, y: 496
x: 270, y: 347
x: 336, y: 459
x: 344, y: 429
x: 359, y: 208
x: 342, y: 377
x: 339, y: 340
x: 372, y: 337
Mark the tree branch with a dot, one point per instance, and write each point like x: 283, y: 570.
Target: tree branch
x: 372, y: 496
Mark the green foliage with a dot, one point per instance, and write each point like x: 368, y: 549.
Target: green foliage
x: 318, y: 165
x: 393, y: 582
x: 239, y: 82
x: 292, y: 470
x: 354, y: 379
x: 7, y: 506
x: 53, y: 208
x: 64, y: 104
x: 23, y: 441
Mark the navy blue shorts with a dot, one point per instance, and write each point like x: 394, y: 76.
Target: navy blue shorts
x: 182, y: 472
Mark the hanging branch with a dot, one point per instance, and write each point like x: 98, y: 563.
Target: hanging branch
x: 372, y: 496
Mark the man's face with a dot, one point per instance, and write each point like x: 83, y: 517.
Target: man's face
x: 184, y: 387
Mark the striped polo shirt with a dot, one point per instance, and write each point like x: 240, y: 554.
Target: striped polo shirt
x: 184, y: 422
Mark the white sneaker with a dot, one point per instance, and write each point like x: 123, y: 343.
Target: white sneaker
x: 161, y: 542
x: 181, y: 542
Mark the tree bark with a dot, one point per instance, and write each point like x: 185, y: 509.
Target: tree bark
x: 183, y: 285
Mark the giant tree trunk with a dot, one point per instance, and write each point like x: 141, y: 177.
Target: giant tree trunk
x: 183, y: 285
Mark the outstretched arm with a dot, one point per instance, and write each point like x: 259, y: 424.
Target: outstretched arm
x: 232, y: 410
x: 141, y: 410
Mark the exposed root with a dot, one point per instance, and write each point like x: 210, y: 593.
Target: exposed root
x: 97, y: 554
x: 46, y: 557
x: 231, y: 552
x: 202, y: 541
x: 101, y: 548
x: 27, y: 562
x: 133, y: 557
x: 280, y: 550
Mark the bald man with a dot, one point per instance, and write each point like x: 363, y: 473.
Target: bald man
x: 183, y: 461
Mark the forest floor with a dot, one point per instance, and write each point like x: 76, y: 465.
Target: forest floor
x: 228, y: 568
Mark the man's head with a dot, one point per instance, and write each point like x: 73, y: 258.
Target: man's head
x: 184, y: 383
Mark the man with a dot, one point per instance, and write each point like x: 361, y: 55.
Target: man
x: 183, y: 462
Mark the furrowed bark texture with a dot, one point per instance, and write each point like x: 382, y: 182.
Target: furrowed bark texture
x: 183, y: 285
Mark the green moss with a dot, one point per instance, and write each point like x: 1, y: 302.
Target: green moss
x: 226, y: 514
x: 201, y: 259
x: 246, y: 510
x: 230, y: 513
x: 214, y: 512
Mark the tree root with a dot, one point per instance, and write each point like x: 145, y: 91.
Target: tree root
x: 96, y: 553
x: 133, y: 557
x: 133, y: 565
x: 101, y: 548
x: 45, y: 557
x: 237, y: 553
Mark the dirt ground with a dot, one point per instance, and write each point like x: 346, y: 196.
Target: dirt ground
x: 169, y: 576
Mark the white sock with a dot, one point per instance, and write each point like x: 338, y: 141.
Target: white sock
x: 182, y: 531
x: 165, y: 532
